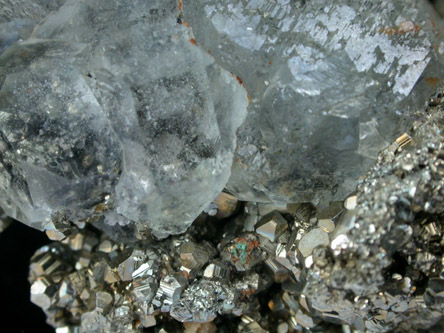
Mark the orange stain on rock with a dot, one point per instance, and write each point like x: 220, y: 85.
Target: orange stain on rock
x: 240, y: 161
x: 432, y: 81
x: 180, y: 4
x: 193, y: 41
x: 241, y: 82
x: 403, y: 28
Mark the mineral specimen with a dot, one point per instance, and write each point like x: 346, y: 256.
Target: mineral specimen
x: 123, y: 120
x: 384, y: 267
x: 110, y: 286
x: 111, y: 112
x: 371, y: 263
x: 330, y: 84
x: 223, y: 206
x: 134, y: 122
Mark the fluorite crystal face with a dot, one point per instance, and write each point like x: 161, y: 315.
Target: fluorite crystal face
x: 373, y: 263
x: 124, y: 112
x: 331, y: 83
x: 18, y: 18
x: 110, y: 110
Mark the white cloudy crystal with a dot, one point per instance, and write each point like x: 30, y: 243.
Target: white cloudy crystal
x: 331, y: 83
x: 18, y: 18
x: 110, y: 109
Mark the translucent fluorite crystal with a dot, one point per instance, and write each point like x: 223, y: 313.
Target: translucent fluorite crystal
x: 111, y: 112
x: 123, y: 112
x: 331, y: 83
x: 18, y: 18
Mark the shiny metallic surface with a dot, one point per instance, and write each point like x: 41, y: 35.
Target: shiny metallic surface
x: 227, y: 166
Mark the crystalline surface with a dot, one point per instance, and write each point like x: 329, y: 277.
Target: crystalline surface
x: 373, y: 265
x: 111, y: 110
x: 327, y: 83
x: 388, y: 251
x: 18, y: 18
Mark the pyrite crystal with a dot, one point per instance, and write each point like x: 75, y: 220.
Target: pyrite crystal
x: 229, y: 166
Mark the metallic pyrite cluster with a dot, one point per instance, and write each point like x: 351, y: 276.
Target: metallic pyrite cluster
x: 374, y: 262
x: 383, y: 268
x: 140, y: 112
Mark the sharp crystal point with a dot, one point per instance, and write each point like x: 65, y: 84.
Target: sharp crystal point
x: 272, y: 226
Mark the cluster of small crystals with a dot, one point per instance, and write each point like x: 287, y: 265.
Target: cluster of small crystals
x: 89, y: 283
x: 373, y: 262
x: 384, y: 268
x: 101, y: 286
x: 92, y: 284
x: 123, y: 116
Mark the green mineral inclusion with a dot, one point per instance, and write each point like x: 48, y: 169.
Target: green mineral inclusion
x: 240, y: 252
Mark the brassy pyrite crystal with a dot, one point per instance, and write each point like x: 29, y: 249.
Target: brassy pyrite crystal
x: 246, y: 166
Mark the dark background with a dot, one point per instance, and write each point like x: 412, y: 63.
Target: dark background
x: 17, y: 314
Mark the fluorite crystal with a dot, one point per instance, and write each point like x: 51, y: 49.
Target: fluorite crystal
x: 123, y: 120
x: 117, y: 113
x: 381, y: 269
x: 331, y: 84
x: 111, y: 111
x: 18, y: 18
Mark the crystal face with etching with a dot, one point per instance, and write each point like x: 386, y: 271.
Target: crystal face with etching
x: 110, y: 111
x: 330, y: 85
